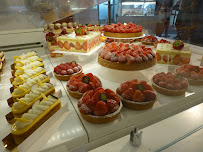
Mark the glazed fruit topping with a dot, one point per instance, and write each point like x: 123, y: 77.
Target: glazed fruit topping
x: 178, y: 45
x: 136, y: 91
x: 123, y: 53
x: 83, y: 82
x: 67, y: 68
x: 191, y: 71
x: 99, y: 102
x: 170, y: 81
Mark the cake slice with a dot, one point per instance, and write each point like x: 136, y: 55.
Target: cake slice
x: 34, y: 118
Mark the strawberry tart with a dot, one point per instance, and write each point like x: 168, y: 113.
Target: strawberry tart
x: 123, y: 30
x: 136, y: 95
x: 65, y: 71
x: 149, y: 40
x: 194, y: 74
x: 79, y: 84
x: 126, y: 57
x: 170, y: 84
x: 161, y: 41
x: 99, y: 106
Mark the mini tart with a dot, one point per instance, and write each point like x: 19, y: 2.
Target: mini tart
x: 103, y: 119
x: 74, y: 94
x: 137, y: 105
x: 66, y: 77
x: 126, y: 66
x: 123, y: 35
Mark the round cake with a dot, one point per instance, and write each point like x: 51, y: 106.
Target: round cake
x: 170, y: 84
x: 194, y: 74
x: 123, y: 31
x: 79, y: 84
x: 99, y: 106
x: 128, y: 57
x: 65, y: 71
x: 136, y: 95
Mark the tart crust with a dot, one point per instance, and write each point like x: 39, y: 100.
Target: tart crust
x: 167, y: 91
x: 74, y: 94
x: 137, y: 105
x: 126, y: 66
x: 123, y: 35
x: 102, y: 119
x: 66, y: 77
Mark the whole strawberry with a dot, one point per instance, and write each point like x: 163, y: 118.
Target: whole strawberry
x: 100, y: 109
x: 178, y: 45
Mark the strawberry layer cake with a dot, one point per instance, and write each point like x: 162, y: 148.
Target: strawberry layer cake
x: 127, y: 57
x: 99, y: 106
x: 136, y: 95
x: 79, y: 84
x: 123, y: 30
x: 194, y: 74
x: 170, y: 84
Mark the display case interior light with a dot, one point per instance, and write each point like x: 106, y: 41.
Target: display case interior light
x: 137, y: 3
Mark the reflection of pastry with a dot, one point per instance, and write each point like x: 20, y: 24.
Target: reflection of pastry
x: 193, y: 73
x: 148, y: 40
x: 127, y: 57
x: 170, y: 84
x: 99, y: 106
x: 136, y: 95
x: 160, y: 41
x: 34, y: 118
x: 79, y: 84
x: 2, y: 57
x: 65, y: 71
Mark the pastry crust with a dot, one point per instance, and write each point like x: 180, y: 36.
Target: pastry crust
x: 195, y: 82
x: 126, y: 66
x: 167, y: 91
x: 74, y: 94
x: 66, y: 77
x: 102, y: 119
x: 137, y: 105
x: 123, y: 35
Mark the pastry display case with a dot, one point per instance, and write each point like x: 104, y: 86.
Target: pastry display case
x: 70, y: 84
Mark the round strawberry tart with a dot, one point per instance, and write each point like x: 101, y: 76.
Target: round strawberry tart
x: 136, y: 95
x: 161, y: 41
x: 194, y: 74
x: 123, y: 31
x: 149, y: 40
x: 65, y: 71
x: 99, y: 106
x: 79, y: 84
x: 126, y: 57
x: 170, y: 84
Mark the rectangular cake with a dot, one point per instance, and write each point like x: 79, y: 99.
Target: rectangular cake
x: 166, y: 54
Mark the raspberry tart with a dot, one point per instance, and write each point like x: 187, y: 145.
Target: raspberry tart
x: 123, y: 30
x: 149, y: 40
x: 136, y: 95
x: 194, y: 74
x: 126, y: 57
x: 161, y: 41
x: 65, y: 71
x: 170, y: 84
x: 99, y: 106
x: 79, y: 84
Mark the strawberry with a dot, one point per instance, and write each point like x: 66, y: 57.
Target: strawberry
x: 123, y: 87
x: 84, y: 46
x: 170, y: 86
x: 178, y: 45
x: 67, y: 45
x: 100, y: 108
x: 184, y: 84
x: 72, y: 45
x: 176, y: 60
x: 130, y: 59
x: 75, y: 69
x: 162, y: 84
x: 158, y: 57
x: 148, y: 87
x: 90, y: 93
x: 54, y: 42
x: 96, y: 95
x: 89, y: 75
x: 81, y: 76
x: 78, y: 46
x: 96, y: 81
x: 83, y: 87
x: 112, y: 105
x: 84, y: 109
x: 90, y: 103
x: 138, y: 96
x: 99, y: 88
x: 114, y: 57
x: 112, y: 95
x: 133, y: 85
x: 60, y: 44
x: 91, y: 86
x: 85, y: 98
x: 127, y: 94
x: 80, y: 31
x: 177, y: 86
x: 122, y: 59
x: 149, y: 95
x: 70, y: 71
x: 107, y: 56
x: 80, y: 102
x: 166, y: 58
x: 185, y: 60
x: 64, y: 72
x: 73, y: 87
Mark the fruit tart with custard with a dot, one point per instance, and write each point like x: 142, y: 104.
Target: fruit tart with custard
x: 136, y: 95
x: 79, y: 84
x: 99, y: 106
x: 170, y: 84
x: 66, y: 70
x: 193, y: 73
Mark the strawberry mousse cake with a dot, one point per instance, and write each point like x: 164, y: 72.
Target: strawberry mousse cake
x: 123, y: 30
x: 170, y: 84
x: 128, y: 57
x: 149, y: 40
x: 193, y: 73
x: 99, y: 106
x: 79, y: 84
x: 65, y: 71
x: 136, y: 95
x: 161, y: 41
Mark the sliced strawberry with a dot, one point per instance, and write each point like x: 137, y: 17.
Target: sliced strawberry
x: 100, y: 108
x: 149, y: 95
x: 67, y: 45
x: 138, y: 96
x: 84, y: 46
x: 112, y: 105
x: 158, y: 57
x: 60, y: 44
x: 78, y: 46
x: 166, y: 58
x: 127, y: 94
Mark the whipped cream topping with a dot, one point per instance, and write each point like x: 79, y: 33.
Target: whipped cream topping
x: 26, y: 61
x: 28, y: 54
x: 37, y: 108
x: 29, y: 82
x: 28, y: 98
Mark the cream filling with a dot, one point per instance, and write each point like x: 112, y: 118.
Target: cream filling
x: 24, y: 56
x: 26, y: 61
